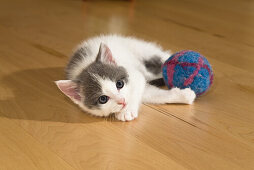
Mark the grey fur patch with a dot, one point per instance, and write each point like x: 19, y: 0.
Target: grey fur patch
x: 91, y: 86
x: 157, y: 82
x: 109, y: 71
x: 153, y: 65
x: 91, y: 89
x: 76, y: 58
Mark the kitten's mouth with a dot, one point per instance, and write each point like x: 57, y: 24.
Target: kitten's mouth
x: 124, y: 105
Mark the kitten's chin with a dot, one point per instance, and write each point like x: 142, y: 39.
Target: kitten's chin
x: 98, y: 113
x: 101, y: 113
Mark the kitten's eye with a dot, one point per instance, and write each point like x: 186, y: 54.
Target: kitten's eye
x: 103, y: 99
x: 119, y: 84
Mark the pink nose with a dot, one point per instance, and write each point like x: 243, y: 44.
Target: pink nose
x: 121, y: 101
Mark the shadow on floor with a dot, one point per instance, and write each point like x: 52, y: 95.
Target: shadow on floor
x: 36, y: 97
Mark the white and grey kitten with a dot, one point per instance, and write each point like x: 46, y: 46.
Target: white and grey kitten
x: 113, y: 74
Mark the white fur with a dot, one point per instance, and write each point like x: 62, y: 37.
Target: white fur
x: 130, y: 52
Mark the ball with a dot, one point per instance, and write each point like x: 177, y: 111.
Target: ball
x: 188, y: 69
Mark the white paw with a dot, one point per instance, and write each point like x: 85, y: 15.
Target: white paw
x: 126, y: 115
x: 187, y: 96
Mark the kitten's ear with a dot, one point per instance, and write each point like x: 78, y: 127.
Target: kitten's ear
x: 105, y: 55
x: 70, y: 89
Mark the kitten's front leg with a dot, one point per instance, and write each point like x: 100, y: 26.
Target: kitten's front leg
x: 156, y: 95
x: 137, y: 86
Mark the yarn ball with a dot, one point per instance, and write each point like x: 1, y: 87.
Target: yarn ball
x: 188, y: 69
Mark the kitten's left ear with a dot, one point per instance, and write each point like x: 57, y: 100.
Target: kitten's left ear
x: 70, y: 89
x: 105, y: 55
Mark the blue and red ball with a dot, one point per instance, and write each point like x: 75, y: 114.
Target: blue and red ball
x: 188, y: 69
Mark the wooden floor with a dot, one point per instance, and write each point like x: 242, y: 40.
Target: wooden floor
x: 41, y: 129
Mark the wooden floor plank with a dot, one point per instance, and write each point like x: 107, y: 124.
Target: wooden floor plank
x: 197, y: 146
x: 98, y: 145
x: 18, y: 150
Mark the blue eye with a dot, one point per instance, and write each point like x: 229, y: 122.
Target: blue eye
x: 119, y: 84
x: 103, y: 99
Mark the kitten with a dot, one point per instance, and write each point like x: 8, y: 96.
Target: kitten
x: 112, y: 74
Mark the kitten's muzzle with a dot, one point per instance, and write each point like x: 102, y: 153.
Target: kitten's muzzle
x: 121, y: 102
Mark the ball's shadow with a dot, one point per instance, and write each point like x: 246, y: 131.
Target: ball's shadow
x: 34, y: 96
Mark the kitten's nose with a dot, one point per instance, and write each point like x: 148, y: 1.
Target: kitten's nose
x: 121, y: 101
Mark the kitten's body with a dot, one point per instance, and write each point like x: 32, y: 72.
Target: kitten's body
x: 93, y: 73
x: 127, y: 52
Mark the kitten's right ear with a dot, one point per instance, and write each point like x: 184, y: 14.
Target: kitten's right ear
x: 70, y: 89
x: 105, y: 55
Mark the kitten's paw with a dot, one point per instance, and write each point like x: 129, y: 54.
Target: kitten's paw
x: 126, y: 115
x: 187, y: 96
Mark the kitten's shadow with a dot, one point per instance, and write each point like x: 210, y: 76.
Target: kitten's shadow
x: 32, y: 95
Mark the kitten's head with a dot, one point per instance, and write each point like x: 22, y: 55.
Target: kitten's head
x: 102, y: 88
